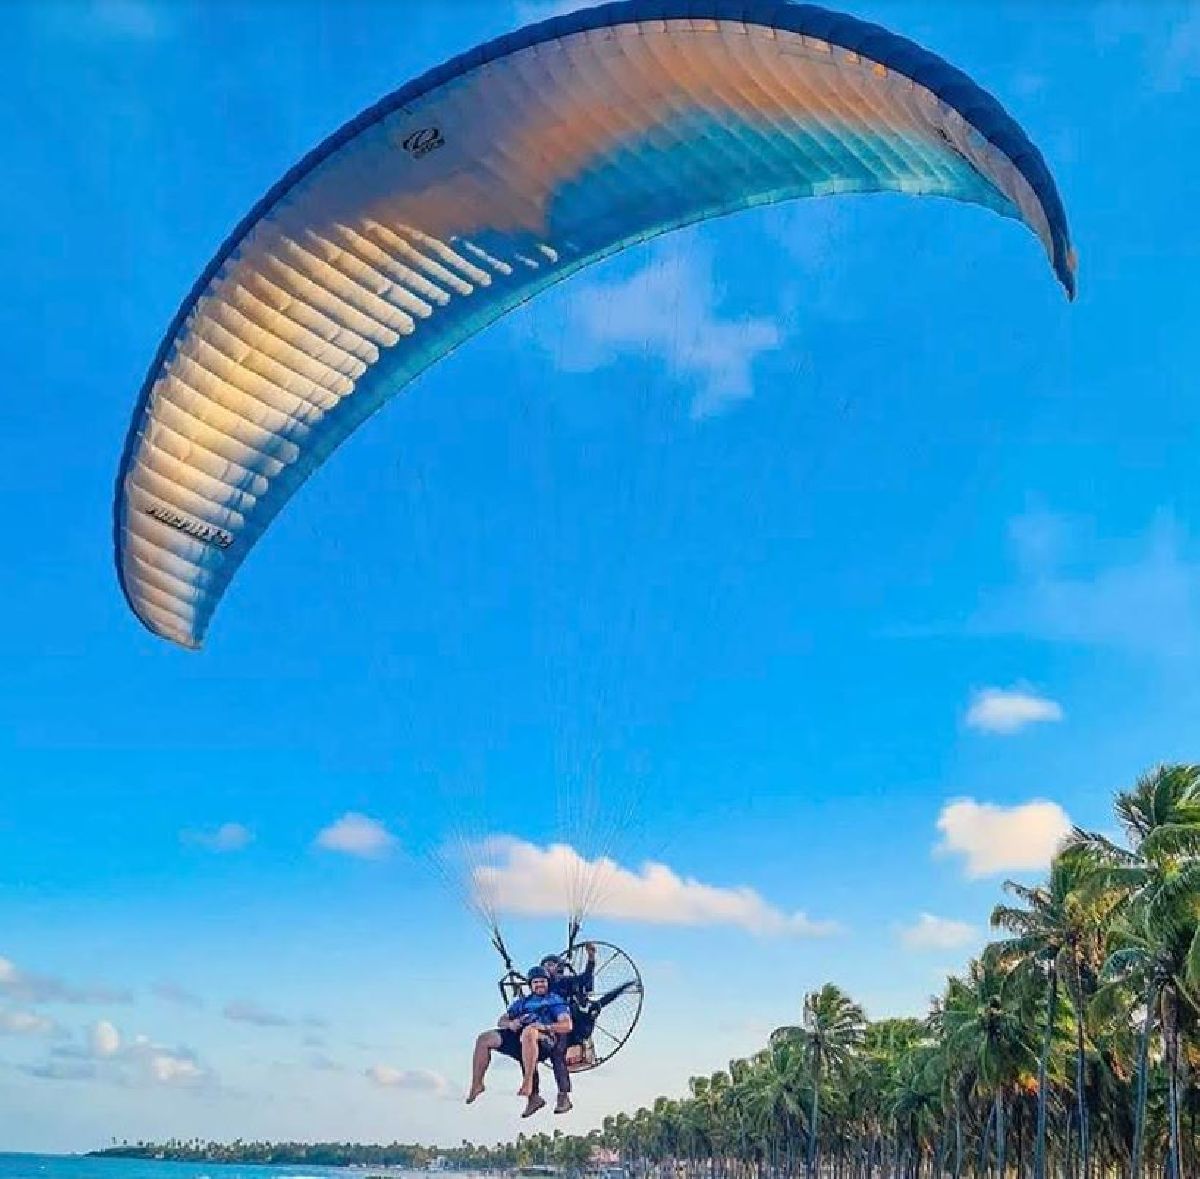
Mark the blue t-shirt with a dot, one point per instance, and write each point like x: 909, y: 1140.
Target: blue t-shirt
x: 547, y: 1009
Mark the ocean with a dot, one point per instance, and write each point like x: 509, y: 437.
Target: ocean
x: 58, y: 1166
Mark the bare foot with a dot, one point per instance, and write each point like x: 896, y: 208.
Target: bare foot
x: 475, y: 1092
x: 526, y: 1090
x: 533, y: 1105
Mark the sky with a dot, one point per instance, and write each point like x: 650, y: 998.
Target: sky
x: 819, y: 565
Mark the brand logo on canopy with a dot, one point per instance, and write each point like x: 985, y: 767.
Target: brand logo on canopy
x: 208, y: 533
x: 422, y: 141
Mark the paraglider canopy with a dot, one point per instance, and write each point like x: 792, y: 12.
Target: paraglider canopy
x: 476, y: 186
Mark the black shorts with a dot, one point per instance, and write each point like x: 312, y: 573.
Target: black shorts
x: 510, y: 1045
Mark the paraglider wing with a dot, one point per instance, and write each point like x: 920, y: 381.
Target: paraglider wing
x: 481, y: 183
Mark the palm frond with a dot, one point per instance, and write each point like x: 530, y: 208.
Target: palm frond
x: 1172, y: 839
x: 1097, y: 847
x: 1015, y: 920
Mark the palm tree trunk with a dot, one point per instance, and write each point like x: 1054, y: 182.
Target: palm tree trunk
x: 958, y: 1142
x: 985, y: 1142
x: 812, y: 1120
x: 1192, y: 1132
x: 1080, y: 1097
x: 1171, y: 1028
x: 1020, y: 1129
x: 1000, y: 1141
x: 1139, y: 1117
x: 1039, y: 1158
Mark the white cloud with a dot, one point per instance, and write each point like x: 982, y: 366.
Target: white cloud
x: 667, y: 309
x: 1008, y: 710
x: 418, y: 1080
x: 16, y: 1022
x: 521, y: 877
x: 936, y: 933
x: 174, y: 1070
x: 356, y: 835
x: 26, y: 987
x: 108, y: 1057
x: 994, y: 839
x: 245, y: 1011
x: 228, y: 837
x: 104, y: 1039
x: 1142, y: 597
x: 160, y: 1065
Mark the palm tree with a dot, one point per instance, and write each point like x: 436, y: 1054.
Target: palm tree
x: 774, y: 1087
x: 915, y: 1099
x: 1059, y: 932
x: 831, y: 1030
x: 984, y: 1018
x: 1158, y: 878
x: 1134, y: 974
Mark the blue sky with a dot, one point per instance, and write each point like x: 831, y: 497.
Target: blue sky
x: 919, y: 582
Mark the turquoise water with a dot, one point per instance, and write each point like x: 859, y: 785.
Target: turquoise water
x: 54, y: 1166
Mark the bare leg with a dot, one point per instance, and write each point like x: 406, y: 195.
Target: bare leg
x: 529, y: 1060
x: 484, y: 1046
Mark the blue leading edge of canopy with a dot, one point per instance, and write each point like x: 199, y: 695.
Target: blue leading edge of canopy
x: 872, y: 42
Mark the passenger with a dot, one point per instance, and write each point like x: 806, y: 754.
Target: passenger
x: 574, y: 989
x: 526, y: 1032
x: 571, y: 986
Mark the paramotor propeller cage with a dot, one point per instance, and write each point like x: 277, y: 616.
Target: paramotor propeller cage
x: 605, y: 1018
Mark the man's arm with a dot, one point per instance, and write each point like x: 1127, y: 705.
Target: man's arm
x: 562, y: 1024
x: 588, y: 975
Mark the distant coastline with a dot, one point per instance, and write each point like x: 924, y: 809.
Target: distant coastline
x: 402, y: 1156
x: 538, y: 1156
